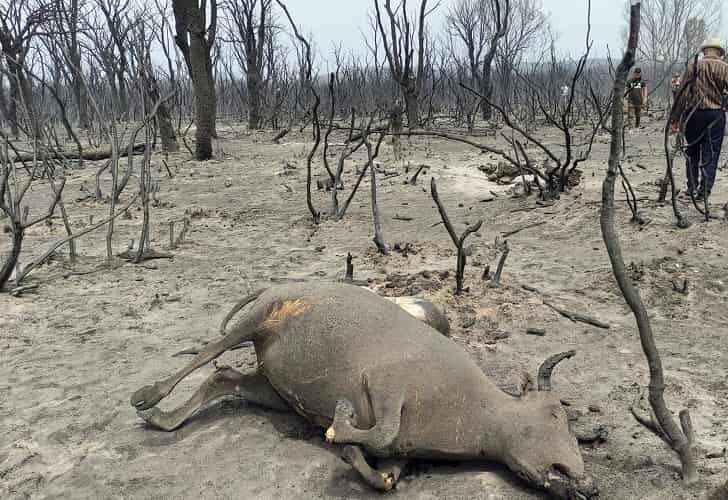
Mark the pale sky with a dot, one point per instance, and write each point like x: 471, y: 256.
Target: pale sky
x: 342, y: 21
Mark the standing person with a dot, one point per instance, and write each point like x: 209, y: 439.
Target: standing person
x: 702, y: 106
x: 636, y: 94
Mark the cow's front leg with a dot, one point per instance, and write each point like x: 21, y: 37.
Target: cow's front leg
x: 379, y: 438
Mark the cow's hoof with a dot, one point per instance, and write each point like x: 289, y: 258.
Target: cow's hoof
x: 147, y: 397
x: 388, y: 481
x: 159, y: 419
x: 343, y: 416
x: 330, y: 435
x: 151, y: 416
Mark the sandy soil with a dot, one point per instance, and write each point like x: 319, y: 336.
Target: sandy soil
x: 74, y: 351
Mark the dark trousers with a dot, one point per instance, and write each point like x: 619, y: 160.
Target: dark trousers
x: 704, y: 136
x: 634, y: 114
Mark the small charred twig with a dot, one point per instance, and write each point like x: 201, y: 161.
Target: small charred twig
x: 459, y: 242
x: 574, y: 316
x: 174, y: 242
x: 166, y: 166
x: 630, y: 196
x: 495, y: 280
x: 330, y: 128
x: 349, y: 268
x: 280, y: 135
x: 378, y: 236
x: 486, y: 273
x: 680, y: 288
x: 651, y: 423
x: 413, y: 180
x: 363, y: 172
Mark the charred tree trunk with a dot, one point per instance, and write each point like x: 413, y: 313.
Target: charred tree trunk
x: 254, y: 95
x: 205, y: 98
x: 123, y: 95
x: 13, y: 108
x: 166, y: 130
x: 412, y: 101
x: 4, y: 110
x: 487, y: 89
x: 404, y: 45
x: 79, y: 92
x: 12, y: 260
x: 195, y: 40
x: 163, y: 118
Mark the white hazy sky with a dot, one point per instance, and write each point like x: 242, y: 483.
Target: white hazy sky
x: 334, y: 21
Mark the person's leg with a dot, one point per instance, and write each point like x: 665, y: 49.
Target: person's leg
x: 637, y: 115
x: 716, y: 143
x: 693, y: 130
x: 630, y: 115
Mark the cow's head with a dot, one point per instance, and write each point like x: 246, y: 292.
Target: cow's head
x: 540, y: 447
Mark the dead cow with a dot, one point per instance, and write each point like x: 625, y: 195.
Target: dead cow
x: 352, y: 363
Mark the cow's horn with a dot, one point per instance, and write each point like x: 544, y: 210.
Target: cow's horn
x: 544, y: 371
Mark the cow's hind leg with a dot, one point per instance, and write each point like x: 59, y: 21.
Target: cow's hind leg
x: 379, y: 480
x: 387, y: 409
x: 245, y: 331
x: 225, y: 382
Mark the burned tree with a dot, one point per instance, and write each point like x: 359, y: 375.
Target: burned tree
x: 249, y: 27
x: 19, y: 22
x: 111, y: 36
x: 13, y: 188
x: 661, y: 421
x: 307, y: 82
x: 195, y: 39
x: 479, y: 25
x: 405, y: 54
x: 67, y: 22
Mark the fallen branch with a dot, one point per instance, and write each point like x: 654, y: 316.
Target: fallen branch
x: 18, y: 291
x: 131, y: 255
x: 574, y: 316
x: 528, y: 226
x: 402, y: 218
x: 89, y: 155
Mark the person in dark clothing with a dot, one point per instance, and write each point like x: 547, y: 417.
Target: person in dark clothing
x: 636, y: 94
x: 700, y: 108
